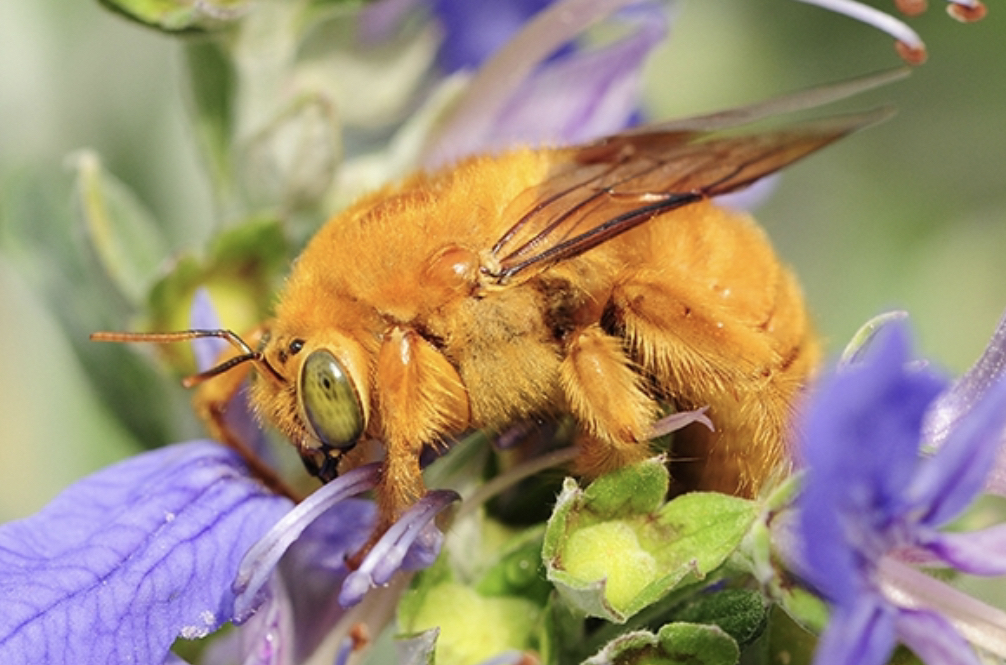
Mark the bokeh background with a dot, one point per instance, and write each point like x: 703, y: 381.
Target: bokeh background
x: 910, y: 214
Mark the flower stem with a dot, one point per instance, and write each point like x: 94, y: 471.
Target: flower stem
x: 980, y: 623
x: 514, y: 476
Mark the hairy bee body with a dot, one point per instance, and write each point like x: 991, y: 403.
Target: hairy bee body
x: 693, y: 307
x: 600, y: 281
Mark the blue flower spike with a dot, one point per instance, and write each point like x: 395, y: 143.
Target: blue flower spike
x: 870, y: 502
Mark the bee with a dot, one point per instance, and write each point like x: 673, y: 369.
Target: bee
x: 602, y: 281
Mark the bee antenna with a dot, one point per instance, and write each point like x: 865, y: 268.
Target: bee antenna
x: 248, y: 354
x: 226, y: 365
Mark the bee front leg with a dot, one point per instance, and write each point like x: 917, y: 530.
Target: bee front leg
x: 210, y: 403
x: 604, y: 393
x: 420, y: 399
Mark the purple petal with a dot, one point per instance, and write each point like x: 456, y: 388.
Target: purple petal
x: 860, y: 634
x: 267, y: 638
x: 950, y: 480
x: 315, y: 566
x: 581, y: 97
x: 859, y: 443
x: 261, y: 560
x: 981, y: 552
x: 203, y: 316
x: 301, y: 610
x: 473, y: 31
x: 676, y: 421
x: 933, y: 639
x: 126, y: 560
x: 390, y: 553
x: 238, y: 415
x: 346, y: 649
x: 862, y: 423
x: 954, y: 404
x: 498, y: 82
x: 379, y: 20
x: 995, y: 483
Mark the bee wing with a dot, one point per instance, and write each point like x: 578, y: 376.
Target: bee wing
x: 603, y: 189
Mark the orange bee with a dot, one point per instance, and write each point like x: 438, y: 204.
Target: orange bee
x: 598, y: 281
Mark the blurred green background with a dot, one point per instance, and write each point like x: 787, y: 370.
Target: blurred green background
x: 910, y: 214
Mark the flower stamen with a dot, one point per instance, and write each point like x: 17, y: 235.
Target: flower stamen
x: 908, y: 44
x: 390, y: 553
x: 966, y: 11
x: 257, y: 566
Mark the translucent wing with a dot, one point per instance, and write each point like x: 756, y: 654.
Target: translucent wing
x: 603, y: 189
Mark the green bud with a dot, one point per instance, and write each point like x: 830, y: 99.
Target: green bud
x: 123, y: 234
x: 674, y: 644
x: 616, y: 547
x: 180, y: 15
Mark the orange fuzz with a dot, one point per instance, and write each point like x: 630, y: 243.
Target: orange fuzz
x: 599, y: 281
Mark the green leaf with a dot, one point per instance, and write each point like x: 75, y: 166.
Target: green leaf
x: 212, y: 84
x: 518, y: 573
x: 787, y: 643
x: 494, y: 601
x: 674, y: 644
x: 180, y: 15
x: 866, y: 333
x: 806, y: 609
x: 126, y: 240
x: 561, y: 632
x: 418, y: 649
x: 292, y: 161
x: 241, y: 274
x: 659, y: 547
x: 633, y: 490
x: 739, y: 612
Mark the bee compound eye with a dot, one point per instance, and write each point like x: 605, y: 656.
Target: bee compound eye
x: 329, y: 402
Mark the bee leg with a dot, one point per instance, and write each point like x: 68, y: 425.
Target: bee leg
x: 422, y: 398
x: 210, y: 404
x: 603, y: 392
x: 747, y: 374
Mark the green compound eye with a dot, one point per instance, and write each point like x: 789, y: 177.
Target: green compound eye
x: 329, y: 401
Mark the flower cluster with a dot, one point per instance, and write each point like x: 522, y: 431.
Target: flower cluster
x: 872, y: 504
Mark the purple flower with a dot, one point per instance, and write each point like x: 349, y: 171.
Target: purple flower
x: 473, y: 31
x: 964, y: 395
x: 536, y: 89
x: 177, y: 542
x: 127, y: 560
x: 870, y: 500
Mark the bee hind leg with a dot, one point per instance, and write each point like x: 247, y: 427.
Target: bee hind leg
x: 604, y: 393
x: 701, y: 355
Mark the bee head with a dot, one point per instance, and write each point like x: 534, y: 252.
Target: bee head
x: 317, y: 397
